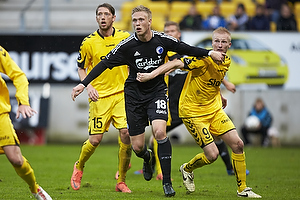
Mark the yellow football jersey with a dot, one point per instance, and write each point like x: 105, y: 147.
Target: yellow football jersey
x: 12, y: 70
x: 169, y: 55
x: 201, y: 91
x: 92, y: 50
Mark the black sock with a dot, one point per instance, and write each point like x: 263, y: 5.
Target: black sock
x: 223, y: 151
x: 164, y: 154
x: 143, y: 154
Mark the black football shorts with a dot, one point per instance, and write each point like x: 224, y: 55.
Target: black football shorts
x: 140, y: 112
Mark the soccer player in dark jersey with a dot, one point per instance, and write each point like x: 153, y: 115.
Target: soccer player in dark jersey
x: 200, y: 108
x: 144, y: 51
x: 106, y: 96
x: 175, y: 81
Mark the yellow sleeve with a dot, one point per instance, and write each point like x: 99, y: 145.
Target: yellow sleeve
x: 191, y: 62
x: 171, y: 53
x: 84, y: 58
x: 12, y: 70
x: 227, y: 63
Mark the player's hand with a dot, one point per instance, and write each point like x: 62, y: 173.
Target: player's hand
x: 143, y: 77
x: 77, y: 91
x: 224, y: 101
x: 92, y: 93
x: 217, y: 56
x: 25, y: 111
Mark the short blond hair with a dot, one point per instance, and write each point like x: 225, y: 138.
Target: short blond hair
x: 222, y: 30
x: 142, y: 8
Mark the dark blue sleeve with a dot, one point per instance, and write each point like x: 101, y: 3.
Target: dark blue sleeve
x: 267, y: 120
x: 96, y: 71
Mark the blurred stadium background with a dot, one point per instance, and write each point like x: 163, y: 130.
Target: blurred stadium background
x: 76, y: 15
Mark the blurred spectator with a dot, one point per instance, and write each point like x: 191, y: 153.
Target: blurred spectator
x: 265, y: 120
x: 215, y: 20
x: 192, y: 21
x: 273, y: 9
x: 260, y: 21
x: 238, y: 21
x: 286, y: 21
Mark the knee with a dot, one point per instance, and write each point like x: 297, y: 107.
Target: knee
x: 124, y: 135
x: 95, y: 141
x: 212, y: 156
x: 239, y: 147
x: 137, y: 147
x: 160, y: 134
x: 16, y: 161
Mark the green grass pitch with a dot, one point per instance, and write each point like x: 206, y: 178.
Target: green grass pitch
x: 274, y: 174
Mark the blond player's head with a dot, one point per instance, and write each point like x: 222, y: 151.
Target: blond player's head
x: 142, y: 8
x: 221, y: 40
x: 141, y: 20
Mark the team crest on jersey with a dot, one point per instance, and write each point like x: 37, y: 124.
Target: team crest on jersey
x: 187, y: 61
x: 79, y: 56
x: 159, y: 50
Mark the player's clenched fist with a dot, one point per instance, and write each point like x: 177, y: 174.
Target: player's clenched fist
x: 217, y: 56
x: 143, y: 77
x: 77, y: 91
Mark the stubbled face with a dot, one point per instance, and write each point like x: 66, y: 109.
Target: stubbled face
x: 141, y: 23
x: 105, y: 18
x: 221, y: 42
x: 172, y: 31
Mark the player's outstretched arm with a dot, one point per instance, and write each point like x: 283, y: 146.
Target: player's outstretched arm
x: 96, y: 71
x: 77, y: 91
x: 143, y: 77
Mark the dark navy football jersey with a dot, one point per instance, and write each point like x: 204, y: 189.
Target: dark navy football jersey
x: 143, y: 57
